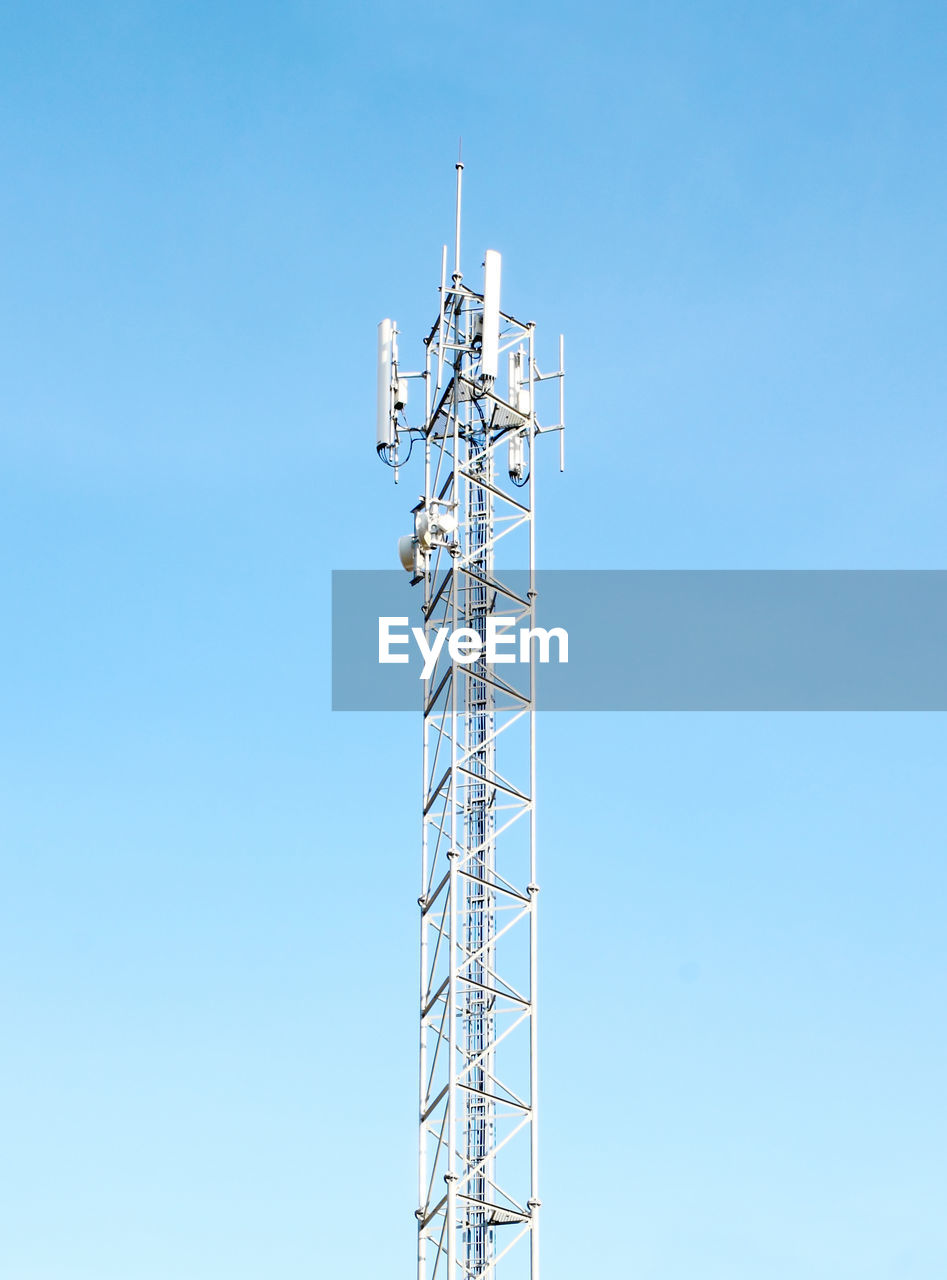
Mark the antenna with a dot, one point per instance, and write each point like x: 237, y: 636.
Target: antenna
x: 460, y: 181
x: 490, y: 336
x: 478, y: 1136
x: 385, y: 431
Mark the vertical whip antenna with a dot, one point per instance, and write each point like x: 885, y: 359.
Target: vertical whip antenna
x: 460, y: 180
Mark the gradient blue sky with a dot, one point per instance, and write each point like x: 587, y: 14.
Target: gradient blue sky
x: 736, y: 214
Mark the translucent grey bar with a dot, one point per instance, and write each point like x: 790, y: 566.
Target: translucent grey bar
x: 686, y: 640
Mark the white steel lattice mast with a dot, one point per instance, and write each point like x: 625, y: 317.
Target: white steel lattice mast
x: 473, y: 554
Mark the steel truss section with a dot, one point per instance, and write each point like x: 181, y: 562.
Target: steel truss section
x: 478, y: 1189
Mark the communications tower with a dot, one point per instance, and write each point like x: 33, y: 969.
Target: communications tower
x: 472, y: 553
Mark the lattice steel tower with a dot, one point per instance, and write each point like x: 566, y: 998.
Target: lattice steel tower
x: 473, y: 554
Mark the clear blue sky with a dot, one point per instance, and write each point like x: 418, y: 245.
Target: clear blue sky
x: 736, y: 214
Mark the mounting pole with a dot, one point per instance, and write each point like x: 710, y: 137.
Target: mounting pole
x: 460, y: 180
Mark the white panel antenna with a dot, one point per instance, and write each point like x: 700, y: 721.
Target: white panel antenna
x: 519, y: 384
x: 385, y: 433
x: 490, y: 340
